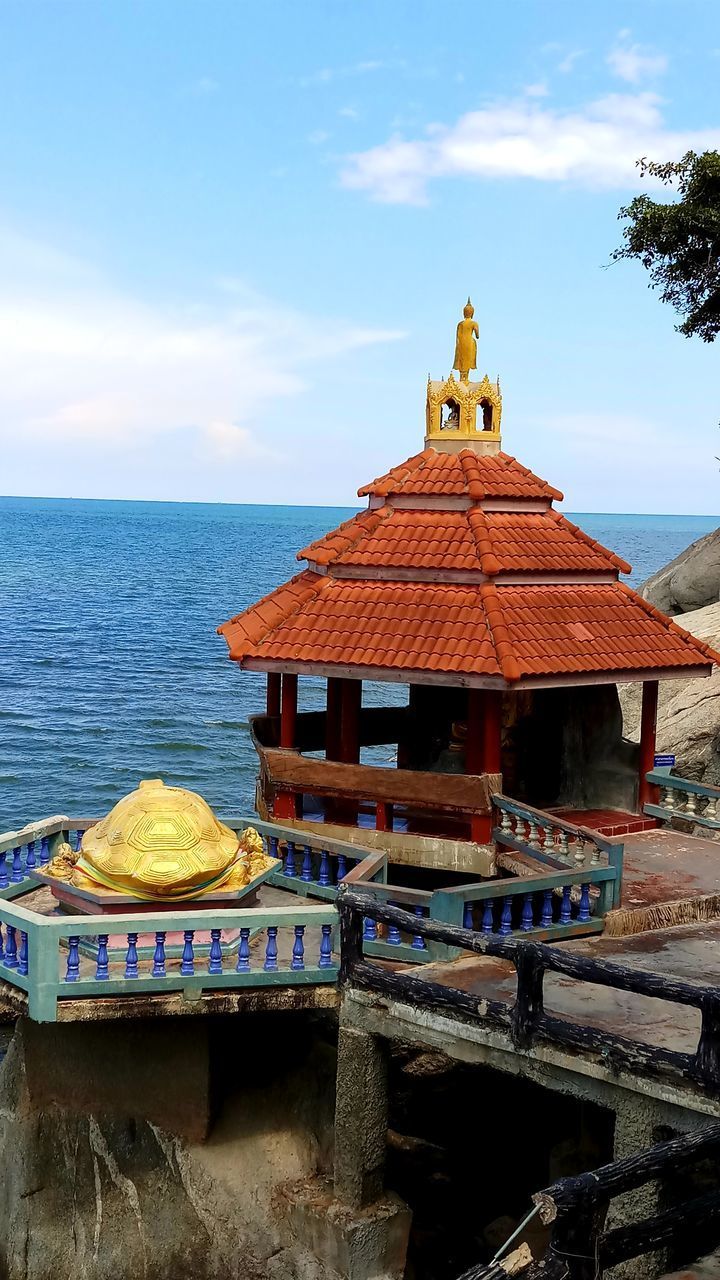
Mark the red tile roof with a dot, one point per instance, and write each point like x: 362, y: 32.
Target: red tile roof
x: 396, y: 609
x: 507, y: 632
x: 487, y: 542
x: 463, y: 474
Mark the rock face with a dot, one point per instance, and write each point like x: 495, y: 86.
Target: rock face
x: 688, y: 710
x: 690, y: 581
x: 100, y: 1194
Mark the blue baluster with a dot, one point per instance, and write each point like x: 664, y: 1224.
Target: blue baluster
x: 131, y: 956
x: 394, y: 936
x: 44, y: 851
x: 243, y: 960
x: 215, y: 959
x: 187, y: 962
x: 418, y: 941
x: 341, y: 867
x: 324, y: 877
x: 30, y: 859
x: 23, y: 957
x: 102, y: 966
x: 369, y: 929
x: 488, y: 923
x: 307, y: 869
x: 326, y: 959
x: 11, y: 949
x: 72, y: 973
x: 158, y: 969
x: 78, y: 841
x: 16, y: 874
x: 565, y: 907
x: 273, y: 846
x: 584, y: 907
x: 468, y: 915
x: 526, y: 923
x: 290, y: 868
x: 546, y: 918
x: 298, y: 951
x: 271, y: 948
x: 506, y: 918
x: 4, y: 882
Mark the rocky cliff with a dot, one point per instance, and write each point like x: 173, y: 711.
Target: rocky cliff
x: 689, y: 710
x: 690, y: 581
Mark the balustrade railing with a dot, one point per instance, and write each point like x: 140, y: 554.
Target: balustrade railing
x: 31, y: 848
x: 57, y: 957
x: 559, y: 844
x: 695, y: 802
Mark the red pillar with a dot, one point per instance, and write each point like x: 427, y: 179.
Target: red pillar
x: 287, y: 803
x: 647, y: 793
x: 288, y: 710
x: 483, y: 747
x: 350, y: 703
x: 273, y: 693
x: 332, y: 718
x: 492, y: 732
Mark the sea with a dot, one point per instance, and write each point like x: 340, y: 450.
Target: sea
x: 111, y: 669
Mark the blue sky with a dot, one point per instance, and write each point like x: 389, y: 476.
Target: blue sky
x: 235, y: 238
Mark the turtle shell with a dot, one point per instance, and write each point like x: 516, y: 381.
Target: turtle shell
x: 158, y: 841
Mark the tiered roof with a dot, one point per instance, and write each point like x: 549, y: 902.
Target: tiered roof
x: 461, y: 569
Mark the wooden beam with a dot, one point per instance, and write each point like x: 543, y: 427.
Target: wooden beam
x: 350, y: 703
x: 332, y: 718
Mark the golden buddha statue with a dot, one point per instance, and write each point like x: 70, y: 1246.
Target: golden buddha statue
x: 467, y: 334
x: 162, y: 844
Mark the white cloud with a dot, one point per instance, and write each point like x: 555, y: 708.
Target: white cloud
x: 350, y: 113
x: 633, y: 63
x: 596, y: 145
x: 84, y: 366
x: 326, y: 75
x: 317, y: 137
x: 567, y: 63
x: 537, y: 90
x: 205, y: 86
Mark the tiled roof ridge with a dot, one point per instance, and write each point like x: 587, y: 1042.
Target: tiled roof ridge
x: 382, y: 485
x: 692, y: 641
x: 323, y: 552
x: 621, y: 565
x: 551, y: 491
x: 471, y: 473
x: 477, y: 521
x: 499, y: 631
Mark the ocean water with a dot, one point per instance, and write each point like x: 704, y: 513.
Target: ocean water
x: 110, y: 667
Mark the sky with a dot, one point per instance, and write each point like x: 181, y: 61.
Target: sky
x: 236, y: 237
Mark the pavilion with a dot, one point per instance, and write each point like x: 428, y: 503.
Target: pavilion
x: 509, y: 626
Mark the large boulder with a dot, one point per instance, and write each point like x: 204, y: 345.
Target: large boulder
x: 690, y: 581
x: 688, y: 710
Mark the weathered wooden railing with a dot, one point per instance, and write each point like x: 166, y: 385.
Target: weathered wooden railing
x: 546, y: 838
x: 575, y: 1209
x: 525, y: 1020
x: 695, y: 802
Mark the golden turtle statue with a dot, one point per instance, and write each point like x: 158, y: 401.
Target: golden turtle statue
x: 162, y: 842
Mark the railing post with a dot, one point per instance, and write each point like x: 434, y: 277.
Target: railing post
x: 707, y: 1058
x: 351, y: 936
x: 574, y: 1238
x: 528, y: 1007
x: 42, y: 974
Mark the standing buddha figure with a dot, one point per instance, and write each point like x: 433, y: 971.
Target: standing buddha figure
x: 466, y: 343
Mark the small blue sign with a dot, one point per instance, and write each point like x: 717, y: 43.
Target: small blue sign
x: 664, y: 762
